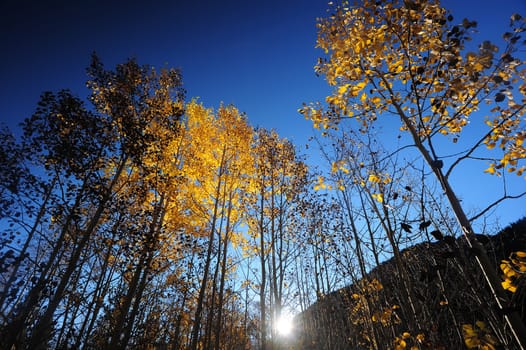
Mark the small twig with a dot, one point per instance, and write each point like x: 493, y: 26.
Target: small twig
x: 494, y: 204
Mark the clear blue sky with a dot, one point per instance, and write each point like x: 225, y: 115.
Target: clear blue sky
x: 258, y: 55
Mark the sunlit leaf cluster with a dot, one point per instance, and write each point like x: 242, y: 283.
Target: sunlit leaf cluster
x: 413, y: 60
x: 479, y: 336
x: 514, y: 270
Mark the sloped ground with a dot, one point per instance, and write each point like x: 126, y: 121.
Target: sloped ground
x: 450, y: 298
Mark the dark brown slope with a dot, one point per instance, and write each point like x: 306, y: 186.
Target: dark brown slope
x: 448, y: 291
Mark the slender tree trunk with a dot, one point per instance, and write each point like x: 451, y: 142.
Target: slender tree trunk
x: 120, y: 337
x: 15, y: 332
x: 157, y: 223
x: 116, y: 334
x: 223, y: 276
x: 130, y: 320
x: 209, y: 331
x: 512, y: 317
x: 211, y: 309
x: 361, y: 264
x: 406, y: 285
x: 13, y: 275
x: 272, y: 262
x: 98, y: 293
x: 263, y: 267
x: 98, y: 298
x: 370, y: 231
x: 76, y: 300
x: 200, y: 299
x: 44, y: 324
x: 178, y: 321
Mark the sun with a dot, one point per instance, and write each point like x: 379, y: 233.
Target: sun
x: 285, y: 325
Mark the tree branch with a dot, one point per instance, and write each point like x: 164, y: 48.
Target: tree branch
x: 494, y: 204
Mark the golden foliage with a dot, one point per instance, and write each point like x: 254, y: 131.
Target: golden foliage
x: 369, y: 295
x: 478, y: 336
x: 407, y: 59
x: 407, y: 341
x: 514, y: 269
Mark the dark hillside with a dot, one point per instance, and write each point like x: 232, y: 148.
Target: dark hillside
x: 449, y: 295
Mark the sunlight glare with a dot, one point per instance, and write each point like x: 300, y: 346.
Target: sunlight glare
x: 285, y: 325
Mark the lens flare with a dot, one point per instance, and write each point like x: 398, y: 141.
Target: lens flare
x: 285, y: 325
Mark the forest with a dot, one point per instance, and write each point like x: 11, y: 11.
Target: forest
x: 139, y: 218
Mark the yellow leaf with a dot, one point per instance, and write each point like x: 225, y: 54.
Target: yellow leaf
x: 487, y: 347
x: 480, y: 324
x: 357, y: 88
x: 363, y: 98
x: 490, y: 170
x: 378, y: 197
x: 508, y: 285
x: 401, y: 344
x: 343, y: 89
x: 361, y: 85
x: 478, y: 67
x: 373, y: 178
x: 468, y: 330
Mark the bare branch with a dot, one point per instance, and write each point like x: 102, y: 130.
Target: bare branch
x: 503, y: 198
x: 480, y: 141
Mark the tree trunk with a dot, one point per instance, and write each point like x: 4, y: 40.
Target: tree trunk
x: 223, y: 276
x: 200, y: 299
x: 263, y: 283
x: 121, y: 333
x: 44, y: 324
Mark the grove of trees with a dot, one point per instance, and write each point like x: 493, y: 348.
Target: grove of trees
x: 140, y: 219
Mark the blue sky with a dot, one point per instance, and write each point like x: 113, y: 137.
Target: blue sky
x: 258, y: 55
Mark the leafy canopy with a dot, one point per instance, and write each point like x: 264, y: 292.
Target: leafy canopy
x: 407, y: 58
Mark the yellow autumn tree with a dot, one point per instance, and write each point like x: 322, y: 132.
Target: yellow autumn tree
x: 408, y: 59
x: 218, y: 167
x: 404, y: 58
